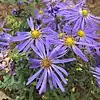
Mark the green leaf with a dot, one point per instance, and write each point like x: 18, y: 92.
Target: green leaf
x: 56, y: 96
x: 72, y: 96
x: 31, y: 93
x: 36, y: 1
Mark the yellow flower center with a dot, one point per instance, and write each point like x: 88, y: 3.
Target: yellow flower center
x: 60, y: 35
x: 35, y: 34
x: 46, y: 62
x: 69, y: 41
x: 40, y: 11
x: 80, y: 33
x: 58, y: 17
x: 85, y: 12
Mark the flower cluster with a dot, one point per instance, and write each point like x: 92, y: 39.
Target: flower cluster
x: 60, y: 27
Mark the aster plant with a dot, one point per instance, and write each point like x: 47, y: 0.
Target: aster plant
x: 52, y: 40
x: 49, y: 70
x: 72, y: 31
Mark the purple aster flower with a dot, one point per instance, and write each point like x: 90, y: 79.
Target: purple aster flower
x: 51, y: 17
x: 27, y: 39
x: 87, y: 36
x: 39, y: 13
x: 14, y: 12
x: 81, y: 17
x: 70, y: 42
x: 49, y: 71
x: 48, y: 18
x: 69, y: 4
x: 67, y: 28
x: 5, y: 39
x: 96, y: 69
x: 75, y: 45
x: 55, y: 36
x: 96, y: 74
x: 96, y: 59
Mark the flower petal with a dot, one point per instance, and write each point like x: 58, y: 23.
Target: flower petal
x: 87, y: 44
x: 43, y: 86
x: 36, y: 51
x: 57, y: 61
x: 19, y: 38
x: 77, y: 25
x: 30, y: 23
x: 28, y: 46
x: 40, y: 80
x: 58, y: 81
x: 78, y: 52
x: 40, y: 47
x: 35, y: 63
x: 4, y: 44
x: 83, y: 24
x: 62, y: 70
x: 60, y: 74
x: 50, y: 79
x: 53, y: 79
x: 23, y: 45
x: 54, y: 51
x: 34, y: 76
